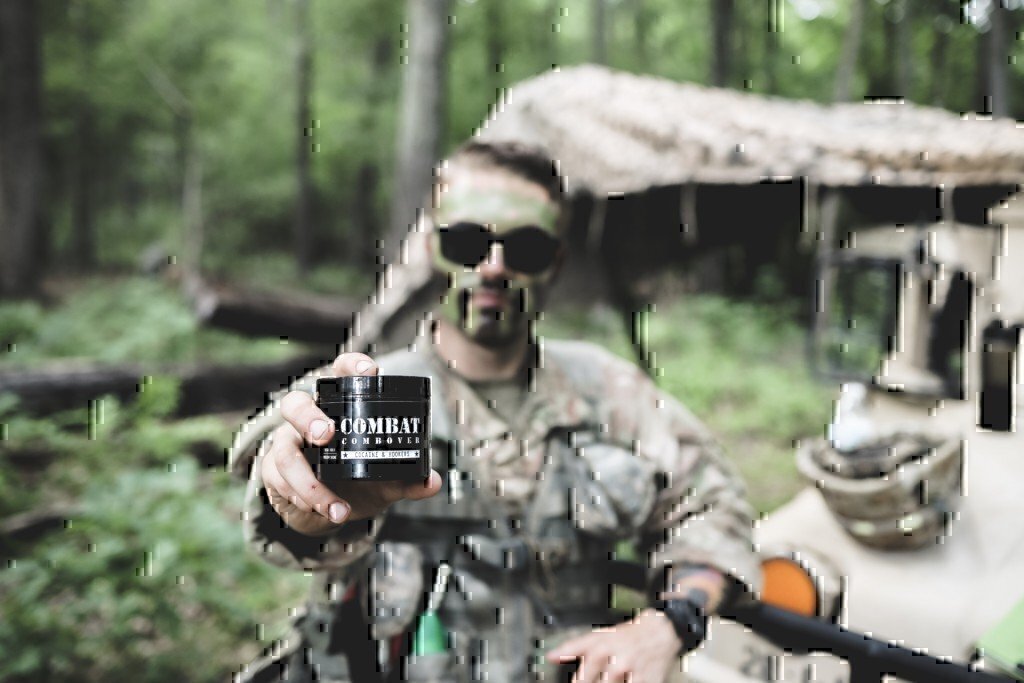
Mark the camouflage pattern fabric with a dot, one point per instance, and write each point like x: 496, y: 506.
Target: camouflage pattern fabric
x: 595, y: 444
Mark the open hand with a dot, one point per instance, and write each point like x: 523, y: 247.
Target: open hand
x: 641, y: 650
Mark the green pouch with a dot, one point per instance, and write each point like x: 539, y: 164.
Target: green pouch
x: 1003, y: 644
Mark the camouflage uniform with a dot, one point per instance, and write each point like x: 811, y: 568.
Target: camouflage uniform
x: 528, y: 513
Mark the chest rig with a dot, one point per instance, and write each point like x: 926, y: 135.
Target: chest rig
x: 519, y: 572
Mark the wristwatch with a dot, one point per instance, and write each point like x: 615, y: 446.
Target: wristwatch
x: 688, y: 620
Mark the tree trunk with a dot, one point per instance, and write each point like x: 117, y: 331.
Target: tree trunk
x: 553, y: 22
x: 302, y: 228
x: 599, y: 31
x: 21, y: 164
x: 364, y: 247
x: 851, y: 52
x: 898, y: 47
x: 421, y: 120
x: 722, y: 20
x: 193, y: 235
x: 941, y: 27
x: 83, y: 240
x: 495, y: 46
x: 363, y: 252
x: 998, y: 58
x: 770, y: 30
x: 982, y: 74
x: 642, y: 35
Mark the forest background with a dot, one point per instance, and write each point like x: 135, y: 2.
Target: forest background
x: 283, y: 145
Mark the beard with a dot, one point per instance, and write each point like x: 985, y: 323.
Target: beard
x: 495, y: 327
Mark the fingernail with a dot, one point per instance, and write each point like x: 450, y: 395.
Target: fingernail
x: 337, y: 512
x: 363, y: 365
x: 318, y: 428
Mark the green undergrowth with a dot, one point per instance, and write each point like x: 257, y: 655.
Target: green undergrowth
x: 149, y: 579
x: 739, y: 367
x: 121, y: 320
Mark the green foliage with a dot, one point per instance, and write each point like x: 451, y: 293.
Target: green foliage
x: 150, y: 580
x: 275, y: 271
x: 122, y: 320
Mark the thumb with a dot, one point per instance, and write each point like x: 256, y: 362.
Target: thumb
x: 349, y: 364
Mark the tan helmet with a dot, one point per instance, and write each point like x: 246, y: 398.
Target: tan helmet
x: 894, y: 495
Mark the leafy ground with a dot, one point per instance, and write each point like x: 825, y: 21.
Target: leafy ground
x: 151, y: 580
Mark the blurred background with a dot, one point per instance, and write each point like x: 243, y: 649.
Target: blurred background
x: 195, y: 196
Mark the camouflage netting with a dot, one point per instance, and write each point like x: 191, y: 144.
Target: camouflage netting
x: 615, y: 132
x: 618, y: 133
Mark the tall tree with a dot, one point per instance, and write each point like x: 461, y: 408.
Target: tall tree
x: 997, y: 59
x: 599, y: 31
x: 642, y: 17
x: 770, y: 31
x: 852, y: 41
x: 302, y: 225
x: 83, y: 228
x: 21, y: 167
x: 552, y: 19
x: 899, y: 18
x: 367, y: 220
x: 723, y: 15
x: 494, y: 40
x: 420, y: 127
x: 945, y: 15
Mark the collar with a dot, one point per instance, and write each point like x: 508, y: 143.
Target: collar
x: 552, y: 403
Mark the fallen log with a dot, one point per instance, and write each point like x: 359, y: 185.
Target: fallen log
x: 204, y: 389
x: 27, y: 527
x: 304, y: 318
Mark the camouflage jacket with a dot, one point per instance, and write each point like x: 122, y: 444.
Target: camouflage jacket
x: 651, y: 472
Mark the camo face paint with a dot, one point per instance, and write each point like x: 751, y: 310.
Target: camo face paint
x: 491, y: 302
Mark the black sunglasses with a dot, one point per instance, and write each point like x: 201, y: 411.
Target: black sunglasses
x: 529, y: 250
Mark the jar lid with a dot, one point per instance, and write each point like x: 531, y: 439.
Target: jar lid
x: 392, y: 387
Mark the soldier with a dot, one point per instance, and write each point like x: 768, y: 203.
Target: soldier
x: 546, y: 454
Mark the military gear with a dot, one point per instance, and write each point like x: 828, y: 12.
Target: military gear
x: 529, y: 514
x: 900, y: 495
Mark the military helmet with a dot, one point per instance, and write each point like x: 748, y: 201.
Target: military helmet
x: 896, y: 494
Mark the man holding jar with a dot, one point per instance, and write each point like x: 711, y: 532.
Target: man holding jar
x: 545, y: 456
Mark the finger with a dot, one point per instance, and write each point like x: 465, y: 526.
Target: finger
x: 348, y: 364
x: 420, y: 490
x: 299, y: 410
x: 298, y: 475
x: 617, y: 671
x: 280, y: 492
x: 591, y: 669
x: 567, y: 651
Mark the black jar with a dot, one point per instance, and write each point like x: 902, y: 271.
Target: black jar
x: 381, y: 428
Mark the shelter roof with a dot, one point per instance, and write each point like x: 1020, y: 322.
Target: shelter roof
x: 615, y: 132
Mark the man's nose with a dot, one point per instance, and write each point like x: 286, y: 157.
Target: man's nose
x: 493, y: 266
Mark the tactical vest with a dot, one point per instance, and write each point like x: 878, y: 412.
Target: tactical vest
x: 520, y: 577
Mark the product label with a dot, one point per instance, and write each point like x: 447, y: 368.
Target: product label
x: 378, y: 431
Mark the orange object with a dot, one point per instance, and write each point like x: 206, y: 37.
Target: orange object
x: 789, y: 586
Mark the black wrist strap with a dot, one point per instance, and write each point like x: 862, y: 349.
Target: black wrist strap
x: 688, y: 620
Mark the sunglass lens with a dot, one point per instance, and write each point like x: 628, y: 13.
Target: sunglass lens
x: 530, y: 250
x: 465, y: 243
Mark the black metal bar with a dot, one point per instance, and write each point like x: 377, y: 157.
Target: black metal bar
x: 868, y: 658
